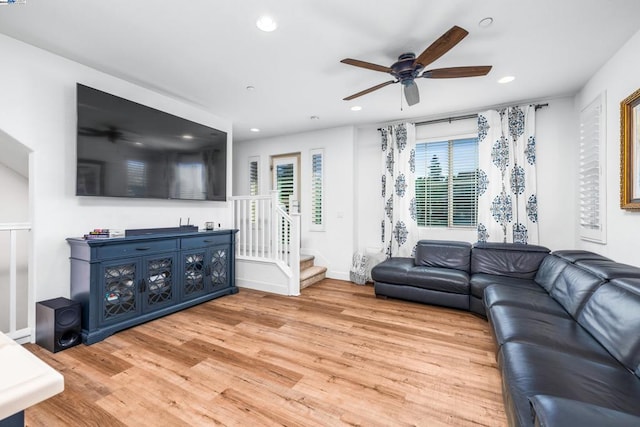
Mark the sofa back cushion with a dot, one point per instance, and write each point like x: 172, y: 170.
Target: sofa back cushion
x: 443, y: 254
x: 574, y: 255
x: 608, y: 269
x: 573, y: 287
x: 507, y: 259
x: 549, y: 271
x: 612, y: 316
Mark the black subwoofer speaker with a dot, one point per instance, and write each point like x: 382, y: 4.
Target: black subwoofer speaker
x: 58, y: 324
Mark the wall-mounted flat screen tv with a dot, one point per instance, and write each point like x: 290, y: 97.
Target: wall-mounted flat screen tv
x: 125, y: 149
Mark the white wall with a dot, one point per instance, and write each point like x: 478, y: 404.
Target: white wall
x: 619, y: 78
x: 556, y: 133
x: 332, y: 247
x: 38, y: 108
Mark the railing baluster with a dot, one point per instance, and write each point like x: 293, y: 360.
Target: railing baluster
x: 13, y: 282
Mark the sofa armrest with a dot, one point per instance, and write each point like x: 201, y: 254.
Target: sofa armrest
x: 549, y: 411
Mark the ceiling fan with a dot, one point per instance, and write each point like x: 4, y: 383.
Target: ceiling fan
x: 112, y: 133
x: 408, y: 67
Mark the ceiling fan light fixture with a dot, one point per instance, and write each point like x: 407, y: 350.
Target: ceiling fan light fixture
x: 266, y: 23
x: 506, y: 79
x: 356, y: 108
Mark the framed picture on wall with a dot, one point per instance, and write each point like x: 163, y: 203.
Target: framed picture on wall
x: 630, y: 151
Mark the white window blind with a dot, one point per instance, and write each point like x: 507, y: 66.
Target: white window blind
x: 591, y: 182
x: 446, y: 183
x: 317, y: 178
x: 285, y: 183
x: 254, y: 188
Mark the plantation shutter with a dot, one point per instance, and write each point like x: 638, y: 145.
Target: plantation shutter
x: 591, y: 158
x: 253, y: 178
x: 285, y: 183
x: 317, y: 219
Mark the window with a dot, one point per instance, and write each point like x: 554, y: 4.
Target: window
x: 446, y: 183
x: 254, y: 187
x: 591, y: 158
x: 285, y: 180
x: 317, y: 165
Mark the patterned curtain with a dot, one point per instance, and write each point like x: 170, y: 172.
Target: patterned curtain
x: 399, y: 226
x: 507, y: 201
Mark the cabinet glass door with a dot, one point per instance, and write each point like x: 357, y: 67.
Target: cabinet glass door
x: 219, y: 267
x: 194, y: 273
x: 119, y: 296
x: 158, y: 281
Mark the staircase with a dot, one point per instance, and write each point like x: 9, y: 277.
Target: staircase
x: 310, y: 273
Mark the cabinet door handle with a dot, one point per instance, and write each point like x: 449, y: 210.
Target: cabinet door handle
x: 143, y: 248
x: 143, y: 285
x: 207, y: 270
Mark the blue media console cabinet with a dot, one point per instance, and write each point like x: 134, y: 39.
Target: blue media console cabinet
x: 122, y: 282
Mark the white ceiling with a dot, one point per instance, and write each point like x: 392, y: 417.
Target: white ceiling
x: 208, y: 51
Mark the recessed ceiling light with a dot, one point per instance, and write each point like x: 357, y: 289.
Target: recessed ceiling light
x: 356, y: 108
x: 254, y: 130
x: 138, y: 143
x: 187, y: 136
x: 250, y: 88
x: 486, y: 22
x: 266, y: 23
x: 506, y: 79
x: 314, y: 118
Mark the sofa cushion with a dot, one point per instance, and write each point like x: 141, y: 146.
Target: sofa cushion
x: 443, y: 254
x: 573, y: 255
x: 612, y: 316
x: 392, y: 270
x: 547, y: 330
x: 438, y: 279
x: 507, y: 259
x: 609, y: 270
x: 480, y: 281
x: 529, y: 369
x: 549, y: 271
x: 549, y: 411
x: 573, y: 287
x: 527, y: 298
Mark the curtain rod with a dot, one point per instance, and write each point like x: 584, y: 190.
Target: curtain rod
x: 467, y: 116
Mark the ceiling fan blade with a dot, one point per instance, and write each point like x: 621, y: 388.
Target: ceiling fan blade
x: 411, y: 93
x: 455, y: 72
x: 371, y: 89
x: 367, y: 65
x: 441, y: 46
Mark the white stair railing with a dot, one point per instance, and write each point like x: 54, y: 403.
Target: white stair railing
x: 268, y: 233
x: 13, y: 289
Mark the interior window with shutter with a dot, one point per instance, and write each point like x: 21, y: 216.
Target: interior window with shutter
x: 591, y: 171
x: 254, y: 187
x: 446, y: 183
x: 317, y: 167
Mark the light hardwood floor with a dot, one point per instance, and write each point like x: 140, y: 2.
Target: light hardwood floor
x: 336, y: 355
